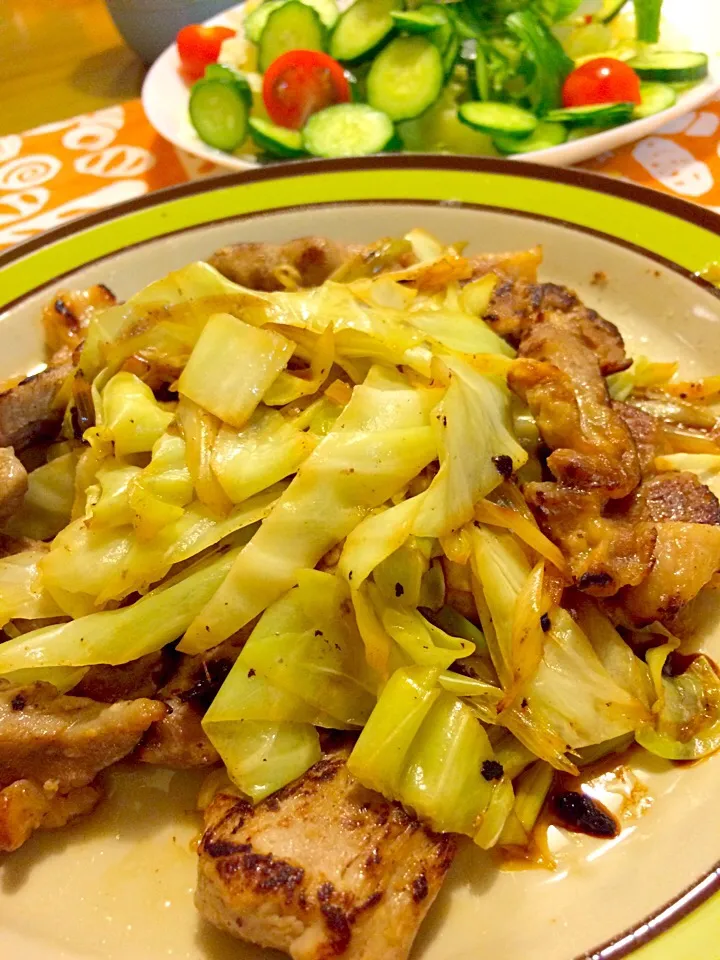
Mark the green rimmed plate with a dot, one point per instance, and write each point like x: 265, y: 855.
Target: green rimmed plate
x: 119, y: 885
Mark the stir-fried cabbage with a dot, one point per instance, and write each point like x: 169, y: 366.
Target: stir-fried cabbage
x: 124, y: 634
x: 332, y: 479
x: 48, y: 503
x: 379, y: 443
x: 244, y: 361
x: 303, y: 666
x: 424, y: 747
x: 687, y: 724
x: 475, y: 406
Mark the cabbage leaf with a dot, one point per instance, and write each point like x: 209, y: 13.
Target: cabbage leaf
x: 125, y: 634
x: 478, y: 407
x: 378, y: 444
x: 231, y: 367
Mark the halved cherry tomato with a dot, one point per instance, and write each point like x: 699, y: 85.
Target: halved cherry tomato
x: 301, y: 82
x: 199, y: 46
x: 603, y: 80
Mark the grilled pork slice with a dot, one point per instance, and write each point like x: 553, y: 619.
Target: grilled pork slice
x: 125, y: 681
x: 322, y: 869
x: 67, y: 741
x: 66, y: 319
x: 685, y: 517
x: 255, y: 265
x: 32, y: 411
x: 26, y: 807
x: 517, y: 304
x: 561, y: 380
x: 13, y: 483
x: 647, y: 434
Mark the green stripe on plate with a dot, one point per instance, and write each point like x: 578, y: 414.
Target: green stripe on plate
x: 687, y: 244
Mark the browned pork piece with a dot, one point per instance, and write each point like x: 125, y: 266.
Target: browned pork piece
x: 13, y: 483
x: 652, y: 544
x: 178, y: 739
x: 594, y: 458
x: 323, y: 868
x: 647, y: 434
x: 26, y: 807
x: 255, y: 265
x: 125, y: 681
x: 685, y: 515
x: 59, y: 744
x: 66, y: 319
x: 516, y: 304
x: 32, y: 411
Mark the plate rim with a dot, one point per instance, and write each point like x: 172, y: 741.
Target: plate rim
x: 596, y: 182
x: 704, y: 887
x: 567, y: 153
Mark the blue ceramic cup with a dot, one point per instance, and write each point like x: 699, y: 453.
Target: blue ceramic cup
x: 149, y: 26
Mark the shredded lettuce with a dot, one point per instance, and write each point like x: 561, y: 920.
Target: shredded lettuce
x: 200, y: 430
x: 90, y: 564
x: 575, y: 694
x: 303, y: 666
x: 530, y: 794
x: 376, y: 538
x: 642, y: 375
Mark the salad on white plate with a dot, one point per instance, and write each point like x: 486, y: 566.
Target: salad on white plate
x: 552, y: 80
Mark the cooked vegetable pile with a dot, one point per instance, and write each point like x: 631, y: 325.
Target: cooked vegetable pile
x: 336, y: 474
x: 463, y: 76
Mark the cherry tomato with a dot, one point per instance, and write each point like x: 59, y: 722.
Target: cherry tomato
x: 301, y: 82
x: 603, y: 80
x: 199, y: 46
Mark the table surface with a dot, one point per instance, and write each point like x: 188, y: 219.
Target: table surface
x: 59, y: 58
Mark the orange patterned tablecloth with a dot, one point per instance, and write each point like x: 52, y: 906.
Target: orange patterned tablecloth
x: 62, y: 170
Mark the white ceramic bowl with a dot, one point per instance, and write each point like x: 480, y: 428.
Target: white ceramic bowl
x: 694, y: 24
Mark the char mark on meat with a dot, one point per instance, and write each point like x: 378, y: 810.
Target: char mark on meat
x: 324, y: 868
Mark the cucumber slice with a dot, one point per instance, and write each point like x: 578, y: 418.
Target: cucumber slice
x: 595, y: 115
x: 654, y: 97
x: 670, y: 66
x: 545, y: 135
x: 413, y: 21
x: 278, y: 141
x: 579, y: 133
x: 219, y: 113
x: 406, y: 78
x: 444, y: 30
x: 363, y: 29
x: 293, y: 26
x: 255, y: 22
x: 498, y: 118
x: 221, y: 71
x: 348, y: 130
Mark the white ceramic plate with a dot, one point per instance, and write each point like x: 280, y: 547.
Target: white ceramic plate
x: 693, y: 24
x: 118, y: 885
